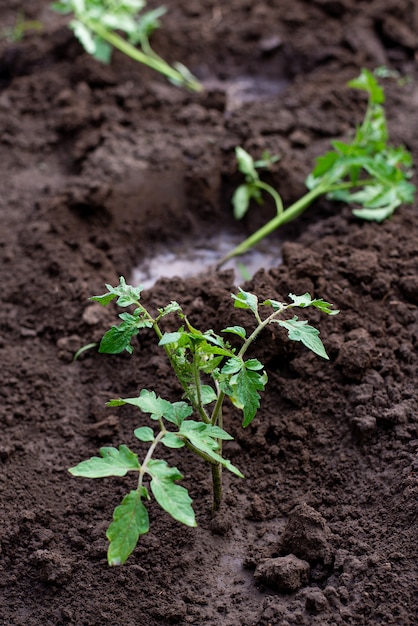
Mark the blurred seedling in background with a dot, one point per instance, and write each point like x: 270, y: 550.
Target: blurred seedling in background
x: 21, y: 27
x: 209, y: 369
x: 366, y: 172
x: 97, y: 24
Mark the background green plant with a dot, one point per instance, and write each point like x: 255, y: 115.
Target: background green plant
x: 97, y: 24
x: 209, y: 369
x: 20, y: 28
x: 366, y: 172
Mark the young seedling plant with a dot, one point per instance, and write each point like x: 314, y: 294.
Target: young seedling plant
x: 97, y: 24
x: 209, y: 370
x: 366, y: 172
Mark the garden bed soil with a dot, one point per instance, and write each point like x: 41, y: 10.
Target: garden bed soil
x: 100, y: 166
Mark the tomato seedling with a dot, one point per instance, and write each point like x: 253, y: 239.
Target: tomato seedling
x: 95, y: 24
x: 209, y: 370
x: 366, y: 172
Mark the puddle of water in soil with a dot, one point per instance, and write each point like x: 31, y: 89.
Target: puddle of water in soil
x: 196, y: 257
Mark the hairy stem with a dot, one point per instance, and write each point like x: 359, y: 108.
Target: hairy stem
x: 149, y: 454
x: 217, y: 486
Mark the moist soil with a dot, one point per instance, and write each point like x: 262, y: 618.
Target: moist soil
x: 100, y: 167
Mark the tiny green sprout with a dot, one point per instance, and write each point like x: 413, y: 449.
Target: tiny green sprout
x: 97, y: 24
x: 366, y: 172
x: 209, y: 370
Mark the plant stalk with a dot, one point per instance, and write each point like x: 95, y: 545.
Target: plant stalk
x: 282, y: 218
x: 151, y: 61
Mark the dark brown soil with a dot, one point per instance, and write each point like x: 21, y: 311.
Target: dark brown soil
x: 99, y: 166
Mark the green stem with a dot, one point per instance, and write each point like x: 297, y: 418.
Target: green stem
x: 289, y: 214
x: 151, y: 61
x: 276, y: 197
x: 149, y: 454
x: 282, y: 218
x: 217, y: 486
x: 197, y: 383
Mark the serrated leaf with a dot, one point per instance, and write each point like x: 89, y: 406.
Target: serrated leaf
x: 236, y: 330
x: 204, y: 438
x: 171, y: 497
x: 306, y: 300
x: 178, y: 412
x: 300, y: 330
x: 125, y: 294
x: 130, y: 520
x: 207, y: 395
x: 103, y: 51
x: 103, y: 299
x: 246, y: 385
x: 173, y: 307
x: 148, y: 402
x: 245, y: 300
x: 113, y: 462
x: 232, y: 366
x: 302, y: 301
x: 144, y: 433
x: 118, y: 339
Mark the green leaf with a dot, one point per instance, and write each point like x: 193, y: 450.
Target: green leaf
x: 306, y: 300
x: 126, y: 294
x: 178, y: 412
x: 113, y: 462
x: 236, y: 330
x: 253, y: 364
x: 173, y: 307
x: 84, y: 35
x: 118, y: 339
x: 148, y: 23
x: 246, y: 164
x: 367, y: 82
x: 169, y: 338
x: 171, y: 497
x: 232, y: 366
x: 171, y: 440
x: 61, y: 7
x: 148, y: 402
x: 130, y: 520
x: 299, y: 330
x: 103, y: 51
x: 245, y: 387
x: 275, y: 304
x: 245, y: 300
x: 144, y: 433
x: 207, y: 395
x: 241, y: 201
x: 204, y: 437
